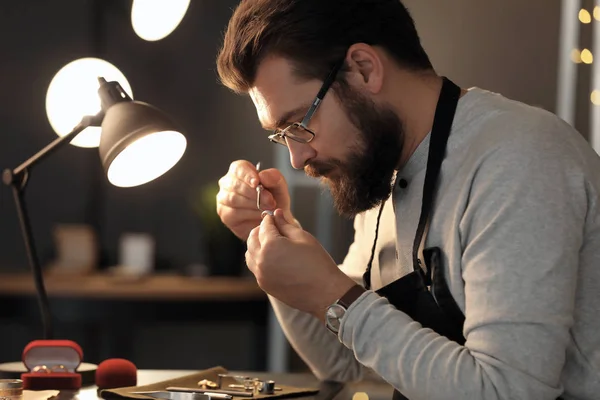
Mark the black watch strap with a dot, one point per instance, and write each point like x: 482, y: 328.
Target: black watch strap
x: 351, y: 295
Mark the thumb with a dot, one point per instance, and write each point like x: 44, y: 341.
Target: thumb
x: 268, y: 230
x: 285, y: 227
x: 273, y: 180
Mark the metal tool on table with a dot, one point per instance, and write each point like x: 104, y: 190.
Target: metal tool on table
x: 212, y: 392
x: 248, y: 384
x: 183, y: 395
x: 259, y: 190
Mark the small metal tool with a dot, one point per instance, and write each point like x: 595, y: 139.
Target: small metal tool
x: 245, y: 383
x: 259, y: 190
x: 220, y: 392
x: 268, y: 384
x: 168, y: 395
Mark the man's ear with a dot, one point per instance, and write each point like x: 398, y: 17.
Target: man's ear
x: 365, y: 68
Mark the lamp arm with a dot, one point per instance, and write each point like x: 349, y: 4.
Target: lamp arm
x: 17, y: 179
x: 56, y: 144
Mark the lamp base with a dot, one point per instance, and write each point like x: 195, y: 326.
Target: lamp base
x: 13, y: 370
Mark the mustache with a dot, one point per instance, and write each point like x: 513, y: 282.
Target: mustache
x: 320, y: 168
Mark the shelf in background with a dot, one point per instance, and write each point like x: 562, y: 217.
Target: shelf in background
x: 152, y: 287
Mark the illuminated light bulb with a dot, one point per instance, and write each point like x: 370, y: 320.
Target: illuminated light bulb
x: 586, y: 56
x: 595, y: 97
x: 151, y: 155
x: 73, y: 94
x: 597, y: 13
x: 154, y: 20
x: 584, y: 16
x: 576, y: 56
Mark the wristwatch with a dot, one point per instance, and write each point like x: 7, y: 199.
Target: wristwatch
x: 336, y: 311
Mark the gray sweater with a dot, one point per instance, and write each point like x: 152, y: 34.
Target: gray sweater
x: 518, y: 220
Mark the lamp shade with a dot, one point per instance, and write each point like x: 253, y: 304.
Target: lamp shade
x: 139, y: 143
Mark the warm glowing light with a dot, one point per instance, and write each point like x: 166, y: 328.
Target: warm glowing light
x: 360, y: 396
x: 584, y: 16
x: 147, y: 158
x: 73, y: 94
x: 155, y: 19
x: 586, y: 56
x: 576, y: 56
x: 595, y: 97
x: 597, y: 13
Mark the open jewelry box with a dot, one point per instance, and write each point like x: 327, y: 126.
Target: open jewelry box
x: 52, y: 364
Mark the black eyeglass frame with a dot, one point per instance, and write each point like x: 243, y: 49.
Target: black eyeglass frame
x: 279, y: 135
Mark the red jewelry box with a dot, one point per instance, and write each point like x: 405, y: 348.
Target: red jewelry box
x: 51, y: 365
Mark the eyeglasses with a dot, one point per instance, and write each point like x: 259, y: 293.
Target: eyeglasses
x: 299, y: 131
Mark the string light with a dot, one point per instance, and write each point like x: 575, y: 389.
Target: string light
x: 586, y: 56
x: 576, y: 56
x: 597, y: 13
x: 584, y: 16
x: 595, y: 97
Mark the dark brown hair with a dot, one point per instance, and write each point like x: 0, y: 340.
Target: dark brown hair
x: 314, y: 35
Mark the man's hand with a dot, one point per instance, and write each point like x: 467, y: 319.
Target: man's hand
x: 236, y: 200
x: 292, y: 266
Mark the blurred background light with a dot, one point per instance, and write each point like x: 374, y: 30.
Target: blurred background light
x: 73, y: 93
x: 154, y: 20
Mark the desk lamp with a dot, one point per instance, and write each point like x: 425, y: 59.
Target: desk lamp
x: 138, y: 143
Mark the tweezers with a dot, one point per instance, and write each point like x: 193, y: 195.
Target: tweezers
x: 166, y: 395
x: 259, y: 189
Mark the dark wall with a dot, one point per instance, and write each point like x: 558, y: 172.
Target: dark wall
x: 508, y: 46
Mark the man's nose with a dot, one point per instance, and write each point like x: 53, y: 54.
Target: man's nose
x: 300, y: 153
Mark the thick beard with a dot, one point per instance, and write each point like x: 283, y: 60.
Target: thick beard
x: 364, y: 180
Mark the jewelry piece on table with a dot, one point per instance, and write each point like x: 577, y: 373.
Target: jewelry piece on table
x: 267, y: 387
x: 237, y: 378
x: 206, y: 384
x: 259, y: 189
x: 59, y: 368
x: 11, y: 389
x: 41, y: 369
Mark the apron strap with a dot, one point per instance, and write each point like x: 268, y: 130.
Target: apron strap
x: 440, y: 132
x: 442, y: 125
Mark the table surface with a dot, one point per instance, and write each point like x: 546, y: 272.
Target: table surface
x: 376, y: 390
x: 154, y: 287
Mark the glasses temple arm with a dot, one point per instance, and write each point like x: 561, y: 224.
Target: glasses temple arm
x: 324, y: 88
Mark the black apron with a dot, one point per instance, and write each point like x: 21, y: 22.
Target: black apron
x: 424, y: 294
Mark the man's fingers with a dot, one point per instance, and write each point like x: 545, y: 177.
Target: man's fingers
x: 253, y: 242
x: 273, y: 180
x: 234, y: 217
x: 267, y: 201
x: 267, y: 230
x: 245, y: 171
x: 235, y: 200
x: 230, y: 183
x: 250, y: 262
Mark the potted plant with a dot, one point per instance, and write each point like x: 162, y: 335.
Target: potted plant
x: 224, y: 252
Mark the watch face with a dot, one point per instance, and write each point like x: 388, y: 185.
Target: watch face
x: 333, y: 316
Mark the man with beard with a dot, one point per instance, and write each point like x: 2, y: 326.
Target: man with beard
x: 489, y: 207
